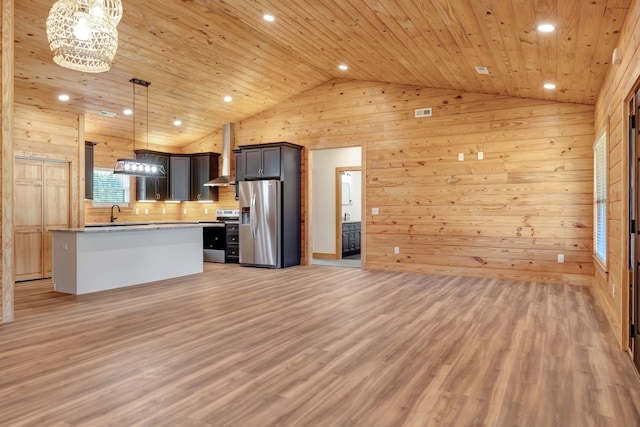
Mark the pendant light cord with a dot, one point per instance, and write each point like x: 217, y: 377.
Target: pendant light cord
x: 133, y: 84
x: 147, y: 117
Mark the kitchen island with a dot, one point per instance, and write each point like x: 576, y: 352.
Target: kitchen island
x: 105, y: 256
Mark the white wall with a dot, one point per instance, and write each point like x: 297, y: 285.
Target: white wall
x: 323, y: 176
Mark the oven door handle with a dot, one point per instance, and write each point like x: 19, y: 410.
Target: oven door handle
x: 252, y: 208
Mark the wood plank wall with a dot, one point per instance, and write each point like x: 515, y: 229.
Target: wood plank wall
x: 5, y: 282
x: 612, y: 287
x: 6, y: 160
x: 53, y: 135
x: 506, y: 216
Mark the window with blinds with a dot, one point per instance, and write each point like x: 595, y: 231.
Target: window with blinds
x: 110, y: 188
x: 600, y: 199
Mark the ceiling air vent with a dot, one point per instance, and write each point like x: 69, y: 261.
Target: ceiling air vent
x: 482, y: 70
x: 423, y: 112
x: 107, y: 113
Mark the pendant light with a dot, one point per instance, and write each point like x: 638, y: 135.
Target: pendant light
x: 82, y: 34
x: 137, y: 167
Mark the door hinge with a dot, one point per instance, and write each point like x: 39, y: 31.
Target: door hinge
x: 632, y: 121
x: 633, y: 226
x: 632, y: 330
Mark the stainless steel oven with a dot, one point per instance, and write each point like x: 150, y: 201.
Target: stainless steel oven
x: 220, y: 237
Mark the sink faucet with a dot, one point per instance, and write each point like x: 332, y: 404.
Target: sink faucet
x: 347, y: 216
x: 113, y: 218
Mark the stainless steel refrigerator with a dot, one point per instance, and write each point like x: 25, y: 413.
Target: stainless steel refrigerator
x: 260, y: 222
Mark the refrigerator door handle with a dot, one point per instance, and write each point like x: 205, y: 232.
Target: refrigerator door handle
x: 253, y: 215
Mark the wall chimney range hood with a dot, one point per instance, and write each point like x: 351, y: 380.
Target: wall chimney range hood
x: 224, y: 180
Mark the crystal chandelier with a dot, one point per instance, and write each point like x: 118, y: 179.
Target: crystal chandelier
x: 82, y: 34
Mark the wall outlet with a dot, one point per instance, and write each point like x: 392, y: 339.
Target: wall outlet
x: 480, y: 155
x: 146, y: 211
x: 206, y: 211
x: 184, y: 211
x: 164, y: 211
x: 396, y: 250
x: 137, y: 211
x: 560, y: 258
x: 374, y: 211
x: 460, y: 157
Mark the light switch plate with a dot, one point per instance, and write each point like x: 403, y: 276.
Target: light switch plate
x: 396, y: 250
x: 146, y: 211
x: 480, y: 155
x: 137, y: 211
x: 460, y: 157
x: 374, y: 211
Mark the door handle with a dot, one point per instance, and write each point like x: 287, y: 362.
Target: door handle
x: 253, y: 215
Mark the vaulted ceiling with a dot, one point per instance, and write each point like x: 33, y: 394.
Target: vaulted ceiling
x: 196, y: 52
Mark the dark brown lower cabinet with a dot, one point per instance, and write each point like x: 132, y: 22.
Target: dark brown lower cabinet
x: 350, y: 238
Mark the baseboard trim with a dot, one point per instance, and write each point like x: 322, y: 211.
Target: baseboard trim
x: 321, y: 255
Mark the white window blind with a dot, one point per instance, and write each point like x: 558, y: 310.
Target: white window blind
x: 109, y: 188
x: 600, y: 199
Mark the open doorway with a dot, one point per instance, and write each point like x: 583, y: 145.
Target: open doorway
x: 327, y: 210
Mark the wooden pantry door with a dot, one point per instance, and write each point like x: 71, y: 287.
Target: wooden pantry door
x: 41, y: 202
x: 56, y: 208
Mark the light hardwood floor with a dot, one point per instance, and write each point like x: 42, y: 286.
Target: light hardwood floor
x: 314, y: 346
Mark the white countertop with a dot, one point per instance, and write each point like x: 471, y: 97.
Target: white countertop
x: 106, y: 227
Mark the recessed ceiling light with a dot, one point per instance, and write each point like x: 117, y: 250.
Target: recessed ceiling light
x: 64, y: 97
x: 177, y: 122
x: 482, y: 70
x: 546, y: 28
x: 127, y: 112
x: 549, y: 86
x: 228, y: 99
x: 269, y: 18
x: 343, y: 67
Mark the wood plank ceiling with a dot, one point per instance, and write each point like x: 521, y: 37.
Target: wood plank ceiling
x: 196, y: 52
